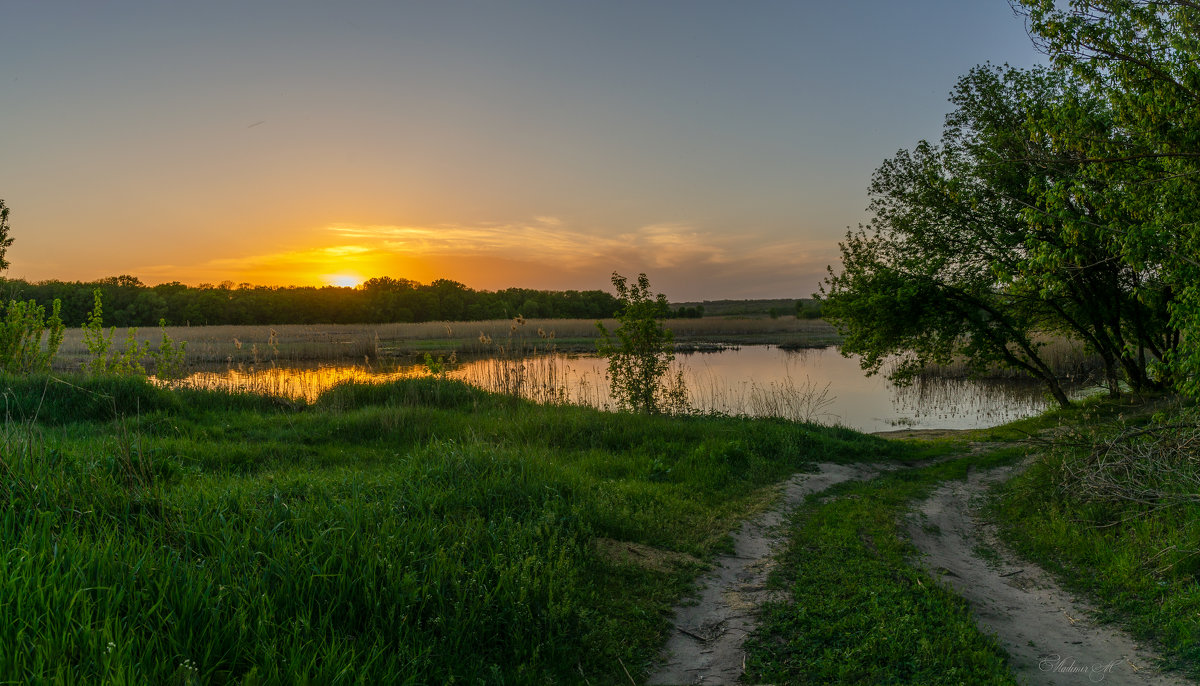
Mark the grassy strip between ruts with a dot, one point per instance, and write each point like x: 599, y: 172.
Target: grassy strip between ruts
x: 416, y: 532
x: 858, y: 613
x: 1125, y: 529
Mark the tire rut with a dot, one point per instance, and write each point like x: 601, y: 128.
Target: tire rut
x: 1048, y: 633
x: 706, y: 645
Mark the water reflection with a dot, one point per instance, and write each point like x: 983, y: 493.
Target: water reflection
x: 817, y: 385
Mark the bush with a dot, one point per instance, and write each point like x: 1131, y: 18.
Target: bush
x: 643, y: 350
x: 21, y: 332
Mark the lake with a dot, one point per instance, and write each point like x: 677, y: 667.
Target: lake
x: 815, y: 385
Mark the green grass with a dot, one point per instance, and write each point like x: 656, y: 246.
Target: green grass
x: 1138, y: 561
x: 858, y: 612
x: 416, y: 532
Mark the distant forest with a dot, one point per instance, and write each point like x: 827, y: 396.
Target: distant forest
x: 129, y: 302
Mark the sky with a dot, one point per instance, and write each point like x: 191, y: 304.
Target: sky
x: 723, y: 148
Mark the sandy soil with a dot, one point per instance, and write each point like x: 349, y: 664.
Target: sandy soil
x: 706, y: 647
x: 1047, y: 632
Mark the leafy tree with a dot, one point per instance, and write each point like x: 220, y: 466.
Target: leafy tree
x: 5, y: 239
x: 640, y: 350
x: 1141, y: 56
x: 965, y: 259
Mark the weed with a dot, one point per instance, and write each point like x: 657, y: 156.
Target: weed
x: 105, y: 358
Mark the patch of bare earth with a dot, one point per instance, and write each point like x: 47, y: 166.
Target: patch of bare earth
x: 706, y: 645
x: 639, y: 555
x: 919, y: 433
x: 1047, y: 632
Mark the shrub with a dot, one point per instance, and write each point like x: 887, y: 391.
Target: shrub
x: 21, y: 333
x: 643, y: 349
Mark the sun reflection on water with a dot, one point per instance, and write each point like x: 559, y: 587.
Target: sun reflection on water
x: 814, y: 385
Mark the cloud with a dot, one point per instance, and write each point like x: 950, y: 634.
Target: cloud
x: 677, y: 253
x: 684, y: 261
x: 664, y: 245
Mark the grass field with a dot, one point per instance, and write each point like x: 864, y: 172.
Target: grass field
x: 424, y: 531
x: 416, y: 532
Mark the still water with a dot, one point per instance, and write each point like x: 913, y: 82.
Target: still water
x: 814, y: 385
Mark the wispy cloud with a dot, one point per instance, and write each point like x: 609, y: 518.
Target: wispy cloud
x: 662, y: 245
x: 679, y: 253
x: 544, y: 252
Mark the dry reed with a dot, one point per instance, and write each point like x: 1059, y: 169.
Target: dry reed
x: 256, y: 345
x: 1067, y: 358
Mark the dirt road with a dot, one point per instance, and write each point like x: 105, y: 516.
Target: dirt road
x: 1047, y: 632
x: 706, y: 646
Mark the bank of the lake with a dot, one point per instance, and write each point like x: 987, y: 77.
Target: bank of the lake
x: 421, y: 531
x: 425, y: 531
x: 818, y: 385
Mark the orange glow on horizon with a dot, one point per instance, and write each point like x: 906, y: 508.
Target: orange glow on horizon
x: 343, y: 280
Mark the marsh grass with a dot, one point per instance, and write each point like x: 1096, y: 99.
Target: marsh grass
x: 1067, y: 358
x: 413, y: 532
x: 546, y: 377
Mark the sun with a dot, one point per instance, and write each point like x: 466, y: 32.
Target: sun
x: 343, y: 280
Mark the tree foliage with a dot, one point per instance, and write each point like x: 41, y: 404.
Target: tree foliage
x: 1141, y: 57
x: 129, y: 302
x: 970, y: 254
x: 5, y: 239
x: 640, y: 350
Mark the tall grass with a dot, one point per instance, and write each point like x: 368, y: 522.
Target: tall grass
x: 542, y: 377
x: 1066, y: 358
x: 421, y: 531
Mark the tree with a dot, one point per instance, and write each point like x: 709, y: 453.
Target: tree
x: 1141, y: 55
x: 5, y: 239
x: 640, y: 355
x: 964, y: 258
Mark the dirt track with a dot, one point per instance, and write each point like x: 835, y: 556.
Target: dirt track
x: 1048, y: 633
x: 706, y: 646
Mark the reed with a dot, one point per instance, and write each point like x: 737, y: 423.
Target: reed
x: 256, y: 345
x: 1067, y: 358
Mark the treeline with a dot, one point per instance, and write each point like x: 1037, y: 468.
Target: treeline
x: 129, y: 302
x: 1059, y: 201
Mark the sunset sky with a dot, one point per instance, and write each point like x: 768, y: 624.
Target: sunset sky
x: 721, y: 147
